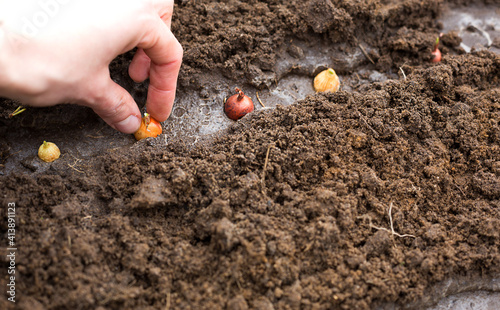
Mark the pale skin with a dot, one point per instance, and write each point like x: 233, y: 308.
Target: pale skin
x: 55, y: 51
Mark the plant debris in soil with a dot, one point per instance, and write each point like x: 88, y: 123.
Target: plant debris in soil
x: 345, y: 200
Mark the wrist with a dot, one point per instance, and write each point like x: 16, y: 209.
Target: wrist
x: 3, y: 60
x: 7, y: 80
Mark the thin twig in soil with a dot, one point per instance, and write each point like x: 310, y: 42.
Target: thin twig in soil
x: 362, y: 117
x: 18, y: 111
x: 258, y: 98
x: 73, y: 167
x: 99, y: 131
x: 357, y: 75
x: 265, y: 163
x: 404, y: 75
x: 10, y: 155
x: 238, y: 284
x: 167, y: 305
x: 485, y: 34
x: 77, y: 160
x: 195, y: 140
x: 394, y: 233
x: 365, y: 53
x: 460, y: 189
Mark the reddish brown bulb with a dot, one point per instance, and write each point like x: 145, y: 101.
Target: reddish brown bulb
x: 238, y: 105
x: 436, y: 53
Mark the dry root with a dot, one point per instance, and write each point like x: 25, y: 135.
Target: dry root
x: 394, y: 233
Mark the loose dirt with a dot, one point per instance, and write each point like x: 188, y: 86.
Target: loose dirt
x: 353, y: 200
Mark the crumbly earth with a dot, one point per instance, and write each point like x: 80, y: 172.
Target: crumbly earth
x: 340, y: 201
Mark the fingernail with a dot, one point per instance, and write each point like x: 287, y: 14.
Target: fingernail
x: 128, y: 125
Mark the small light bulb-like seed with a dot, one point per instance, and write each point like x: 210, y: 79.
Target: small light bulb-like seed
x: 48, y: 152
x: 327, y: 81
x: 150, y: 128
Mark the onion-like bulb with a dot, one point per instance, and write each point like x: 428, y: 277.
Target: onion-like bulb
x: 150, y: 128
x: 238, y: 105
x: 48, y: 152
x: 327, y: 81
x: 436, y: 53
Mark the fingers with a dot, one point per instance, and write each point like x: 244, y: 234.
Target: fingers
x: 117, y: 107
x: 165, y: 9
x: 158, y: 57
x: 165, y: 53
x: 139, y: 67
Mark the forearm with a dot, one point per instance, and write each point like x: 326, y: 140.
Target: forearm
x: 3, y: 55
x: 65, y: 58
x: 5, y: 67
x: 15, y: 71
x: 18, y: 77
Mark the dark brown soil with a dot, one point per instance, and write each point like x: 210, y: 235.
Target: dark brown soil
x: 289, y: 208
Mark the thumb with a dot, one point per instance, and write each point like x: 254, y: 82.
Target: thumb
x: 117, y: 108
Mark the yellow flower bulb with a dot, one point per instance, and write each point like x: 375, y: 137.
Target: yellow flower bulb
x: 327, y: 81
x: 48, y: 152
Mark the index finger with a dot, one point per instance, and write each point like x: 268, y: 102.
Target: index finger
x: 165, y: 9
x: 165, y: 53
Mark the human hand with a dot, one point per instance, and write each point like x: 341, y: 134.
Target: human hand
x: 59, y: 51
